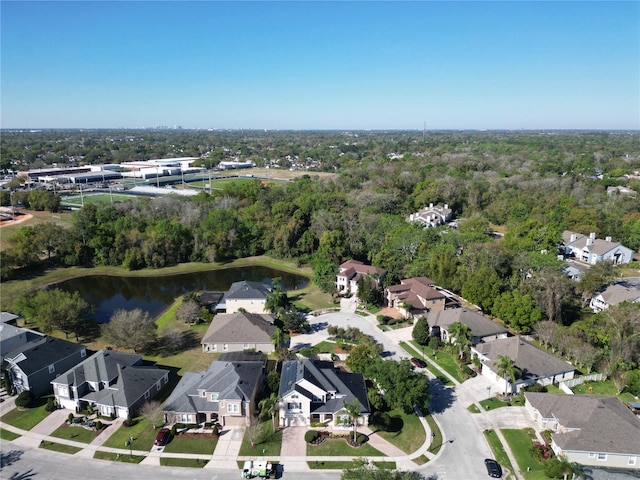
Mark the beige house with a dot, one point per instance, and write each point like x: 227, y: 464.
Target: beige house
x: 226, y: 393
x: 351, y: 271
x: 236, y: 332
x: 613, y: 295
x: 482, y: 329
x: 588, y: 429
x: 249, y: 296
x: 415, y: 296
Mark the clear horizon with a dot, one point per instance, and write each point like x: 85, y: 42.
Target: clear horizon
x: 321, y: 65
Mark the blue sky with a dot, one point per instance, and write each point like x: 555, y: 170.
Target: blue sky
x: 321, y: 65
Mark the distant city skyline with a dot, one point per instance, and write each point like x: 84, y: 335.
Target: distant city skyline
x: 504, y: 65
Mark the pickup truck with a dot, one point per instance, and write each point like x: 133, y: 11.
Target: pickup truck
x: 258, y: 469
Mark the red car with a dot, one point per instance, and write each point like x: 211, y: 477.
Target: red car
x: 418, y: 362
x: 163, y: 437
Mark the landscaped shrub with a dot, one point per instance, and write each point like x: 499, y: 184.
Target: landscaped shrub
x: 129, y: 422
x: 174, y: 430
x: 24, y: 399
x: 536, y: 387
x: 70, y: 418
x: 361, y: 438
x: 306, y: 352
x: 51, y: 405
x: 99, y: 425
x: 311, y: 436
x: 382, y: 420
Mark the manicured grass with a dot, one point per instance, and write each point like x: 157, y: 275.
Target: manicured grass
x: 415, y: 349
x: 118, y: 457
x: 202, y: 446
x: 499, y: 453
x: 605, y: 387
x: 270, y: 444
x: 421, y: 460
x: 520, y: 444
x: 142, y: 433
x: 7, y: 435
x: 331, y: 465
x: 554, y: 389
x: 473, y: 408
x: 408, y: 433
x: 340, y: 448
x: 448, y: 363
x: 9, y: 230
x: 26, y: 419
x: 77, y: 434
x: 324, y: 347
x: 59, y: 447
x: 183, y: 462
x: 77, y: 200
x: 436, y: 440
x: 492, y: 403
x: 168, y: 317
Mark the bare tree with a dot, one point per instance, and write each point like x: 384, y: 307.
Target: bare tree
x: 621, y: 380
x: 254, y: 431
x: 152, y: 411
x: 133, y: 329
x: 188, y: 312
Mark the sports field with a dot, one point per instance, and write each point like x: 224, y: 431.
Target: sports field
x: 76, y: 200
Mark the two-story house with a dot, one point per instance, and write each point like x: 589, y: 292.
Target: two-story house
x: 612, y: 296
x: 593, y: 250
x: 350, y: 273
x: 236, y: 332
x: 415, y: 297
x: 246, y: 295
x: 114, y: 383
x: 432, y: 216
x: 314, y: 391
x: 226, y: 393
x: 32, y: 365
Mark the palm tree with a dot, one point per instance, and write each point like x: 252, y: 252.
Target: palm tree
x: 507, y: 369
x: 462, y: 335
x: 269, y: 406
x: 353, y: 410
x: 279, y: 338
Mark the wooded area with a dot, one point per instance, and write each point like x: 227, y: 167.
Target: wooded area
x: 529, y: 186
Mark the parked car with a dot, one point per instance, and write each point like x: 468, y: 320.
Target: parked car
x: 493, y: 468
x: 418, y: 362
x: 163, y: 437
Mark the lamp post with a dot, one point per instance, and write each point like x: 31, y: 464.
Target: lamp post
x: 489, y: 390
x: 129, y: 443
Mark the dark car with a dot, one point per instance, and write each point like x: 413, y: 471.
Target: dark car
x: 418, y: 362
x: 163, y: 437
x: 493, y: 468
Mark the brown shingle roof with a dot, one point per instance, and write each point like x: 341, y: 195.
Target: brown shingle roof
x: 240, y: 327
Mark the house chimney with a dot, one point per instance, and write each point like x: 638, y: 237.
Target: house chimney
x: 446, y: 206
x: 574, y: 237
x: 589, y: 241
x: 592, y: 235
x: 431, y: 205
x: 608, y: 239
x: 411, y: 217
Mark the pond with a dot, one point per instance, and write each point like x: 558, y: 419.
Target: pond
x: 154, y: 294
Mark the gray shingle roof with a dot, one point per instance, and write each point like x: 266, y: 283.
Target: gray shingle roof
x: 602, y: 423
x: 615, y: 294
x: 240, y: 327
x: 480, y: 326
x: 246, y: 290
x: 43, y: 352
x: 343, y: 386
x: 230, y: 380
x: 532, y: 361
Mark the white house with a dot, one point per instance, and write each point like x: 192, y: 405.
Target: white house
x: 593, y: 250
x: 351, y: 271
x: 612, y: 296
x: 313, y: 391
x: 432, y: 216
x: 250, y: 296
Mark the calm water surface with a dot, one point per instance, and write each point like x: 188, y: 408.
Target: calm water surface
x: 153, y: 294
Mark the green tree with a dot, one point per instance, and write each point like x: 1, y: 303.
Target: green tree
x: 353, y: 410
x: 132, y: 329
x: 594, y: 279
x: 280, y: 338
x: 420, y: 332
x: 461, y: 335
x: 507, y: 369
x: 481, y: 287
x: 268, y: 407
x: 517, y: 310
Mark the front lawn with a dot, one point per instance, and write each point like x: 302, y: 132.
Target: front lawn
x: 339, y: 447
x: 7, y: 435
x: 406, y: 431
x: 118, y: 457
x: 520, y: 444
x: 436, y: 435
x: 27, y: 418
x: 331, y: 465
x: 498, y: 452
x: 492, y: 403
x: 183, y: 462
x: 59, y: 447
x: 269, y: 444
x: 141, y: 432
x: 77, y: 434
x: 195, y: 445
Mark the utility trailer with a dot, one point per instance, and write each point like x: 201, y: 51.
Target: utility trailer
x: 260, y: 469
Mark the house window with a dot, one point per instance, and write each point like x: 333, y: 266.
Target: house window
x: 233, y: 408
x: 632, y: 461
x: 602, y: 457
x: 185, y: 418
x: 214, y: 397
x: 592, y: 455
x: 246, y: 345
x: 225, y: 347
x: 214, y: 347
x: 52, y: 368
x: 147, y: 394
x: 316, y: 399
x: 203, y: 393
x: 294, y: 406
x: 83, y: 353
x: 158, y: 386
